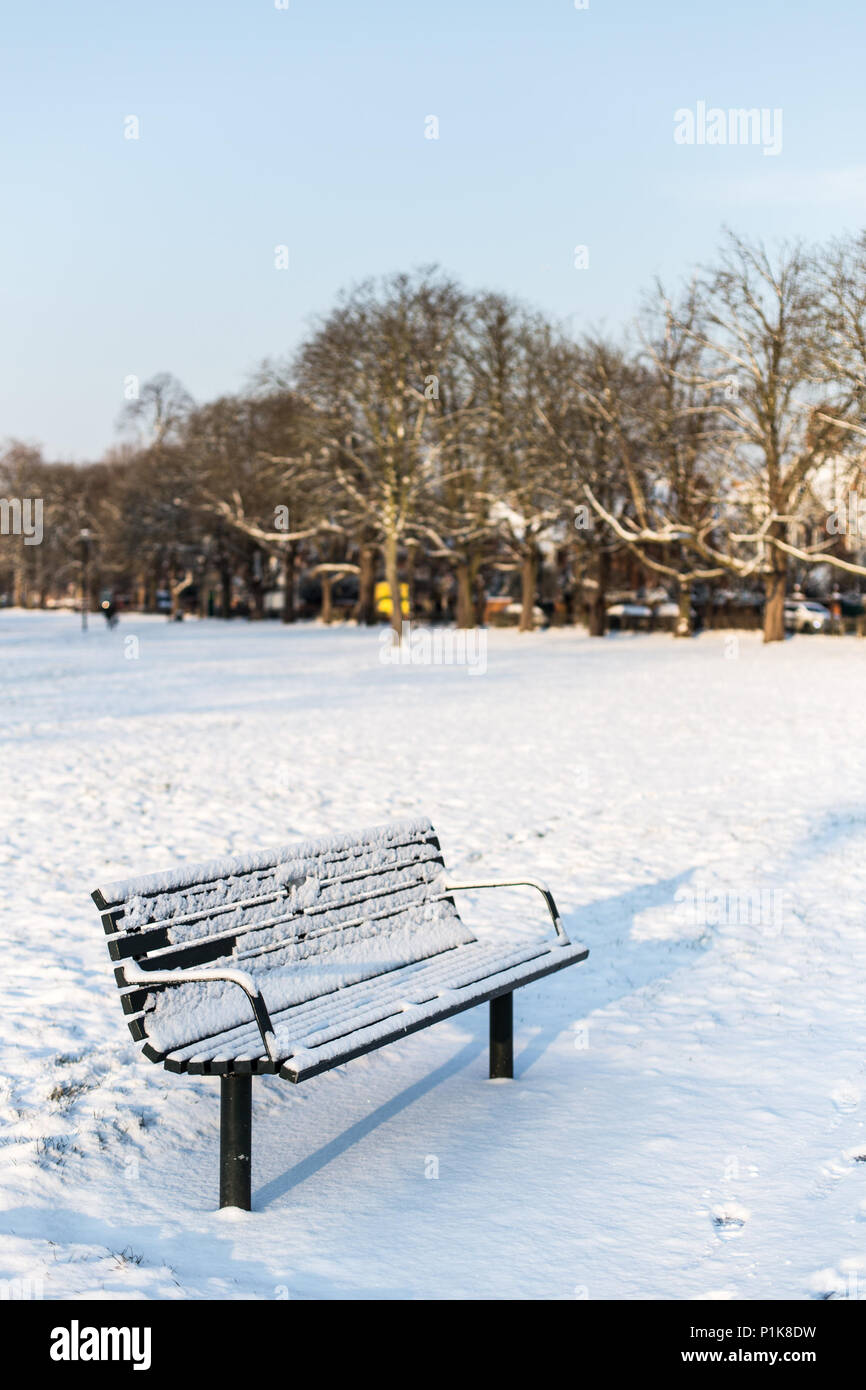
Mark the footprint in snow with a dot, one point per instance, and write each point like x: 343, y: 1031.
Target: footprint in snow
x: 846, y: 1097
x: 830, y: 1174
x: 833, y: 1170
x: 729, y: 1220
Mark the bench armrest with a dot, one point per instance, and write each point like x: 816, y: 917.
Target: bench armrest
x: 134, y: 975
x: 536, y: 883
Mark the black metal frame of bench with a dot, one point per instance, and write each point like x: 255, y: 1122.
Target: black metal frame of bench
x: 236, y: 1074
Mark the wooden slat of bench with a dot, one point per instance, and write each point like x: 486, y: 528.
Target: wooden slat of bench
x: 167, y: 955
x: 161, y: 943
x: 409, y: 986
x: 415, y: 982
x: 304, y: 1065
x: 141, y: 938
x: 200, y: 878
x: 421, y: 854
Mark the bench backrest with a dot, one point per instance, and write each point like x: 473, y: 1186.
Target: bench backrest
x: 303, y: 921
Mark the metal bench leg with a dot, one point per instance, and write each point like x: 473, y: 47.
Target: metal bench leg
x: 502, y: 1036
x: 236, y: 1132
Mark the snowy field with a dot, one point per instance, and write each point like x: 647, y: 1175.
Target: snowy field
x: 688, y: 1118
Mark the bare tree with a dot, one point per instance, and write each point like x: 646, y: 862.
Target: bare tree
x: 369, y: 373
x: 663, y: 461
x: 157, y: 414
x: 254, y: 474
x: 607, y: 449
x: 763, y: 373
x: 520, y: 466
x: 748, y: 356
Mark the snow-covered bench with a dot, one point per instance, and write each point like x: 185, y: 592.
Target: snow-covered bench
x: 298, y: 959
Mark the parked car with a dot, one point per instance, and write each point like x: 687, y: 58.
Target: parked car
x: 629, y: 616
x: 667, y: 610
x: 804, y: 615
x: 852, y: 605
x: 501, y: 610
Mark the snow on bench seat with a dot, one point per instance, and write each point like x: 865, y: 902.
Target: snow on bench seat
x: 314, y: 1036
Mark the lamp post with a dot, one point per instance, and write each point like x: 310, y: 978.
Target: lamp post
x: 84, y: 540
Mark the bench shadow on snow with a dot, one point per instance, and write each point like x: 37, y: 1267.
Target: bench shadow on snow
x: 616, y: 968
x: 299, y: 1172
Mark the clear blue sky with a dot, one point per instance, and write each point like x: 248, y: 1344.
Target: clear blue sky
x: 305, y: 127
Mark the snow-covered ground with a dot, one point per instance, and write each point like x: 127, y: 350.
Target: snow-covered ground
x: 687, y: 1118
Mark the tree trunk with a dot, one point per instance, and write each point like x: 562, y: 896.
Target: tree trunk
x: 201, y: 592
x: 465, y: 606
x: 774, y: 606
x: 392, y: 575
x: 255, y: 586
x: 19, y: 585
x: 411, y: 555
x: 327, y: 613
x: 683, y: 626
x: 597, y: 616
x: 225, y: 591
x: 774, y: 590
x: 365, y: 612
x: 176, y: 588
x: 257, y: 607
x: 575, y: 585
x: 528, y: 579
x: 289, y: 558
x: 479, y: 598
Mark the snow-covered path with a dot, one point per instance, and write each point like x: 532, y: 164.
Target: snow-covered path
x: 689, y: 1113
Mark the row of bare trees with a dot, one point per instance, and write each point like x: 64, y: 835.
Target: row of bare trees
x: 422, y: 423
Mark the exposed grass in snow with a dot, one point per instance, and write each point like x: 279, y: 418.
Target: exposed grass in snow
x: 688, y: 1114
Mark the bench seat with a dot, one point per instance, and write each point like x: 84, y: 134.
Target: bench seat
x: 328, y: 1030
